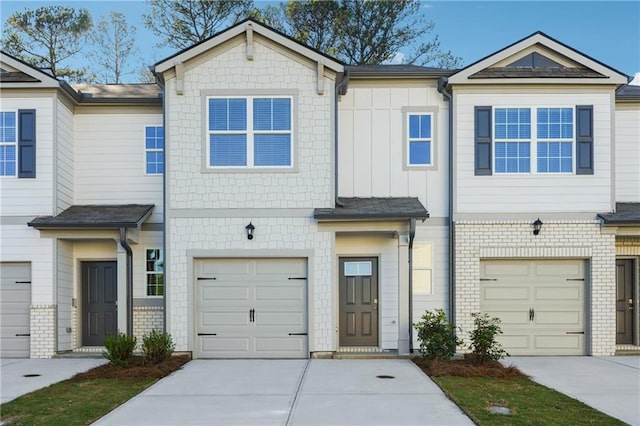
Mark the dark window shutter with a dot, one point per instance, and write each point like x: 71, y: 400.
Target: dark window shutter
x: 27, y: 143
x: 584, y: 140
x: 483, y: 140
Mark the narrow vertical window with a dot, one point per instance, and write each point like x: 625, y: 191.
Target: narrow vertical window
x: 154, y: 150
x: 155, y: 272
x: 8, y: 144
x: 419, y: 131
x: 422, y: 265
x: 512, y: 134
x: 555, y: 140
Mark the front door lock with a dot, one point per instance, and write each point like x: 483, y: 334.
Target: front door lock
x: 375, y: 304
x: 631, y: 304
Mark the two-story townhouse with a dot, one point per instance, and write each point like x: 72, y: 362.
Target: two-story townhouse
x: 534, y: 158
x: 81, y: 212
x: 309, y: 207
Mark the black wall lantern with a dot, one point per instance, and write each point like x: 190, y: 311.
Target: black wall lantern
x: 250, y: 228
x: 537, y: 226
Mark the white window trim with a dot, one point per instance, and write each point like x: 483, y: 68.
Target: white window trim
x: 14, y: 143
x: 145, y: 150
x: 406, y: 112
x: 250, y: 133
x: 147, y: 273
x: 533, y: 141
x: 409, y: 140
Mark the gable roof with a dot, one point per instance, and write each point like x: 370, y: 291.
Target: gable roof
x: 23, y: 74
x: 243, y: 27
x: 556, y: 63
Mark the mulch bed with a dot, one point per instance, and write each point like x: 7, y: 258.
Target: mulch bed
x: 136, y: 369
x: 466, y: 368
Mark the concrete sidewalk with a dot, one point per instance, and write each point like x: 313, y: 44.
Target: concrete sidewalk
x: 608, y: 384
x: 291, y: 392
x: 40, y: 373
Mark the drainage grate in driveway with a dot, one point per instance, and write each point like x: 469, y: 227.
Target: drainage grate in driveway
x: 384, y: 376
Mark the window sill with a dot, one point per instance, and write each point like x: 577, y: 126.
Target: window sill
x: 250, y: 170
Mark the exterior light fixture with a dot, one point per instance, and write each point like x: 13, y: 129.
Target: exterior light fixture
x: 537, y: 226
x: 250, y: 229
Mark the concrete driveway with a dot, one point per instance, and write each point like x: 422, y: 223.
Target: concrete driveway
x: 21, y: 376
x: 291, y: 392
x: 608, y: 384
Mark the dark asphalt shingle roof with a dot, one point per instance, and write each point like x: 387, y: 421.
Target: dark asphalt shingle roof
x: 374, y: 208
x: 16, y: 77
x: 626, y: 214
x: 121, y: 91
x: 96, y: 216
x: 628, y: 92
x: 395, y: 70
x: 536, y: 72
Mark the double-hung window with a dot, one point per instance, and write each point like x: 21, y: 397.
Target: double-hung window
x: 512, y: 140
x: 155, y: 272
x: 420, y: 140
x: 555, y: 140
x: 250, y: 131
x: 154, y: 150
x: 8, y: 143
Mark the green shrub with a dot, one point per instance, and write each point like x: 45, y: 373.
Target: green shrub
x: 484, y: 345
x: 119, y: 348
x: 157, y: 346
x: 437, y: 337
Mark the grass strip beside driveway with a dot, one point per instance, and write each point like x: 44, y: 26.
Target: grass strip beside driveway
x: 72, y: 402
x: 529, y: 403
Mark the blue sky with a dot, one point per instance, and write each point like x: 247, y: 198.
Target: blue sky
x: 608, y: 31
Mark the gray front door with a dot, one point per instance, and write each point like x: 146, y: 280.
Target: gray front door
x: 358, y: 301
x: 624, y: 301
x: 99, y: 296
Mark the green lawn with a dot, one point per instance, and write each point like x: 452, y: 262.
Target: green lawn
x: 72, y: 402
x: 529, y: 402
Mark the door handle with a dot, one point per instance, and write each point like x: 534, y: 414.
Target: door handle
x: 375, y: 304
x: 252, y: 313
x: 532, y: 314
x: 631, y: 304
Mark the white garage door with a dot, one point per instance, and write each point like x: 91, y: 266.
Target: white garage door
x: 15, y: 301
x: 541, y: 304
x: 251, y: 308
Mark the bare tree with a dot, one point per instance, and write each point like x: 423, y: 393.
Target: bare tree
x: 114, y: 44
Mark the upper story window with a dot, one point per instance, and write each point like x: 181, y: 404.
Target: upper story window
x: 250, y: 131
x: 512, y: 140
x: 8, y: 143
x: 419, y: 140
x: 155, y: 272
x: 18, y: 143
x: 154, y: 150
x: 555, y: 140
x: 538, y: 140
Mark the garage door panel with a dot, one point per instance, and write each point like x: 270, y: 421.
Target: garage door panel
x: 536, y: 324
x: 506, y: 293
x: 15, y: 305
x: 252, y: 307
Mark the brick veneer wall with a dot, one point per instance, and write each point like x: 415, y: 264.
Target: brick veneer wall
x: 145, y: 319
x: 42, y: 329
x: 476, y: 240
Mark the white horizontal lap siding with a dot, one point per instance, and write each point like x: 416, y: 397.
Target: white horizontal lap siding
x: 64, y: 167
x: 20, y: 243
x: 308, y: 184
x: 109, y: 160
x: 438, y: 237
x: 550, y: 192
x: 386, y: 249
x: 627, y: 153
x: 372, y: 152
x: 13, y: 191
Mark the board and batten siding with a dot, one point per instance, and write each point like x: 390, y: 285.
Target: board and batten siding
x: 40, y: 201
x: 371, y: 152
x: 627, y: 153
x: 532, y: 192
x: 64, y: 166
x: 109, y: 159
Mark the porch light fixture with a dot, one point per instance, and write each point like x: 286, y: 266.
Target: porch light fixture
x: 250, y: 229
x: 537, y: 226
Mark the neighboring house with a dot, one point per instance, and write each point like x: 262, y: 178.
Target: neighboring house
x: 309, y: 207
